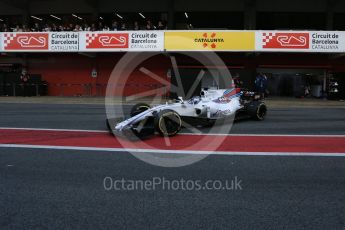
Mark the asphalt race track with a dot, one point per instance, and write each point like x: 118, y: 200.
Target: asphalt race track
x: 92, y: 117
x: 64, y: 189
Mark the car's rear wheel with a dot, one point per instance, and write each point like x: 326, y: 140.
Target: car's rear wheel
x: 139, y: 108
x: 168, y: 123
x: 257, y: 110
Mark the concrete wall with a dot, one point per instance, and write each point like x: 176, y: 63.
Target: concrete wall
x: 74, y: 70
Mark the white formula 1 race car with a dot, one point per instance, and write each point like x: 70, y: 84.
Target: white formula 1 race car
x: 204, y: 110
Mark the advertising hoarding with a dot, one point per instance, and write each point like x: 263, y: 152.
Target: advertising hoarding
x: 122, y: 41
x: 64, y: 42
x: 300, y: 41
x: 209, y: 41
x: 158, y: 41
x: 25, y: 41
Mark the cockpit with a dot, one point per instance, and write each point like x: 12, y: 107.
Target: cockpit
x: 194, y: 100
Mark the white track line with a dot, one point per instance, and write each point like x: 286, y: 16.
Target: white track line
x: 185, y: 152
x: 196, y: 134
x: 263, y: 135
x: 57, y: 130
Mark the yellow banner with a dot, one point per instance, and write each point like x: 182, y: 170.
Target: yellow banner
x: 210, y: 41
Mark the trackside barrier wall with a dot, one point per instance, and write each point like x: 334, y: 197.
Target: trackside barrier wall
x: 158, y: 41
x: 63, y: 89
x: 82, y: 41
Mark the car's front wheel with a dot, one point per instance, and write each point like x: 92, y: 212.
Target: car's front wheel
x: 168, y: 123
x: 139, y: 108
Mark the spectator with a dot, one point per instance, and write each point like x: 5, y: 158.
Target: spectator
x: 114, y: 26
x: 25, y: 78
x: 93, y: 27
x: 265, y: 81
x: 136, y: 26
x: 149, y: 25
x: 17, y: 29
x: 261, y: 84
x: 77, y: 28
x: 106, y: 28
x: 87, y: 27
x: 123, y: 26
x: 161, y: 26
x: 70, y: 27
x: 61, y: 28
x: 100, y: 26
x: 4, y: 28
x: 26, y: 28
x: 54, y: 27
x: 237, y: 81
x: 47, y: 28
x: 36, y: 28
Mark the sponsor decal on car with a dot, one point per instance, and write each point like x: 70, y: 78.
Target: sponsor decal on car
x: 228, y: 95
x: 26, y: 41
x: 222, y: 113
x: 222, y: 100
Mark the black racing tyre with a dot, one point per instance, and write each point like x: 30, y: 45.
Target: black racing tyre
x: 257, y: 110
x: 139, y: 108
x: 168, y: 123
x: 108, y: 126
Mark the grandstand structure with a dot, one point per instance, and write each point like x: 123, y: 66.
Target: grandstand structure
x: 71, y: 69
x: 225, y: 14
